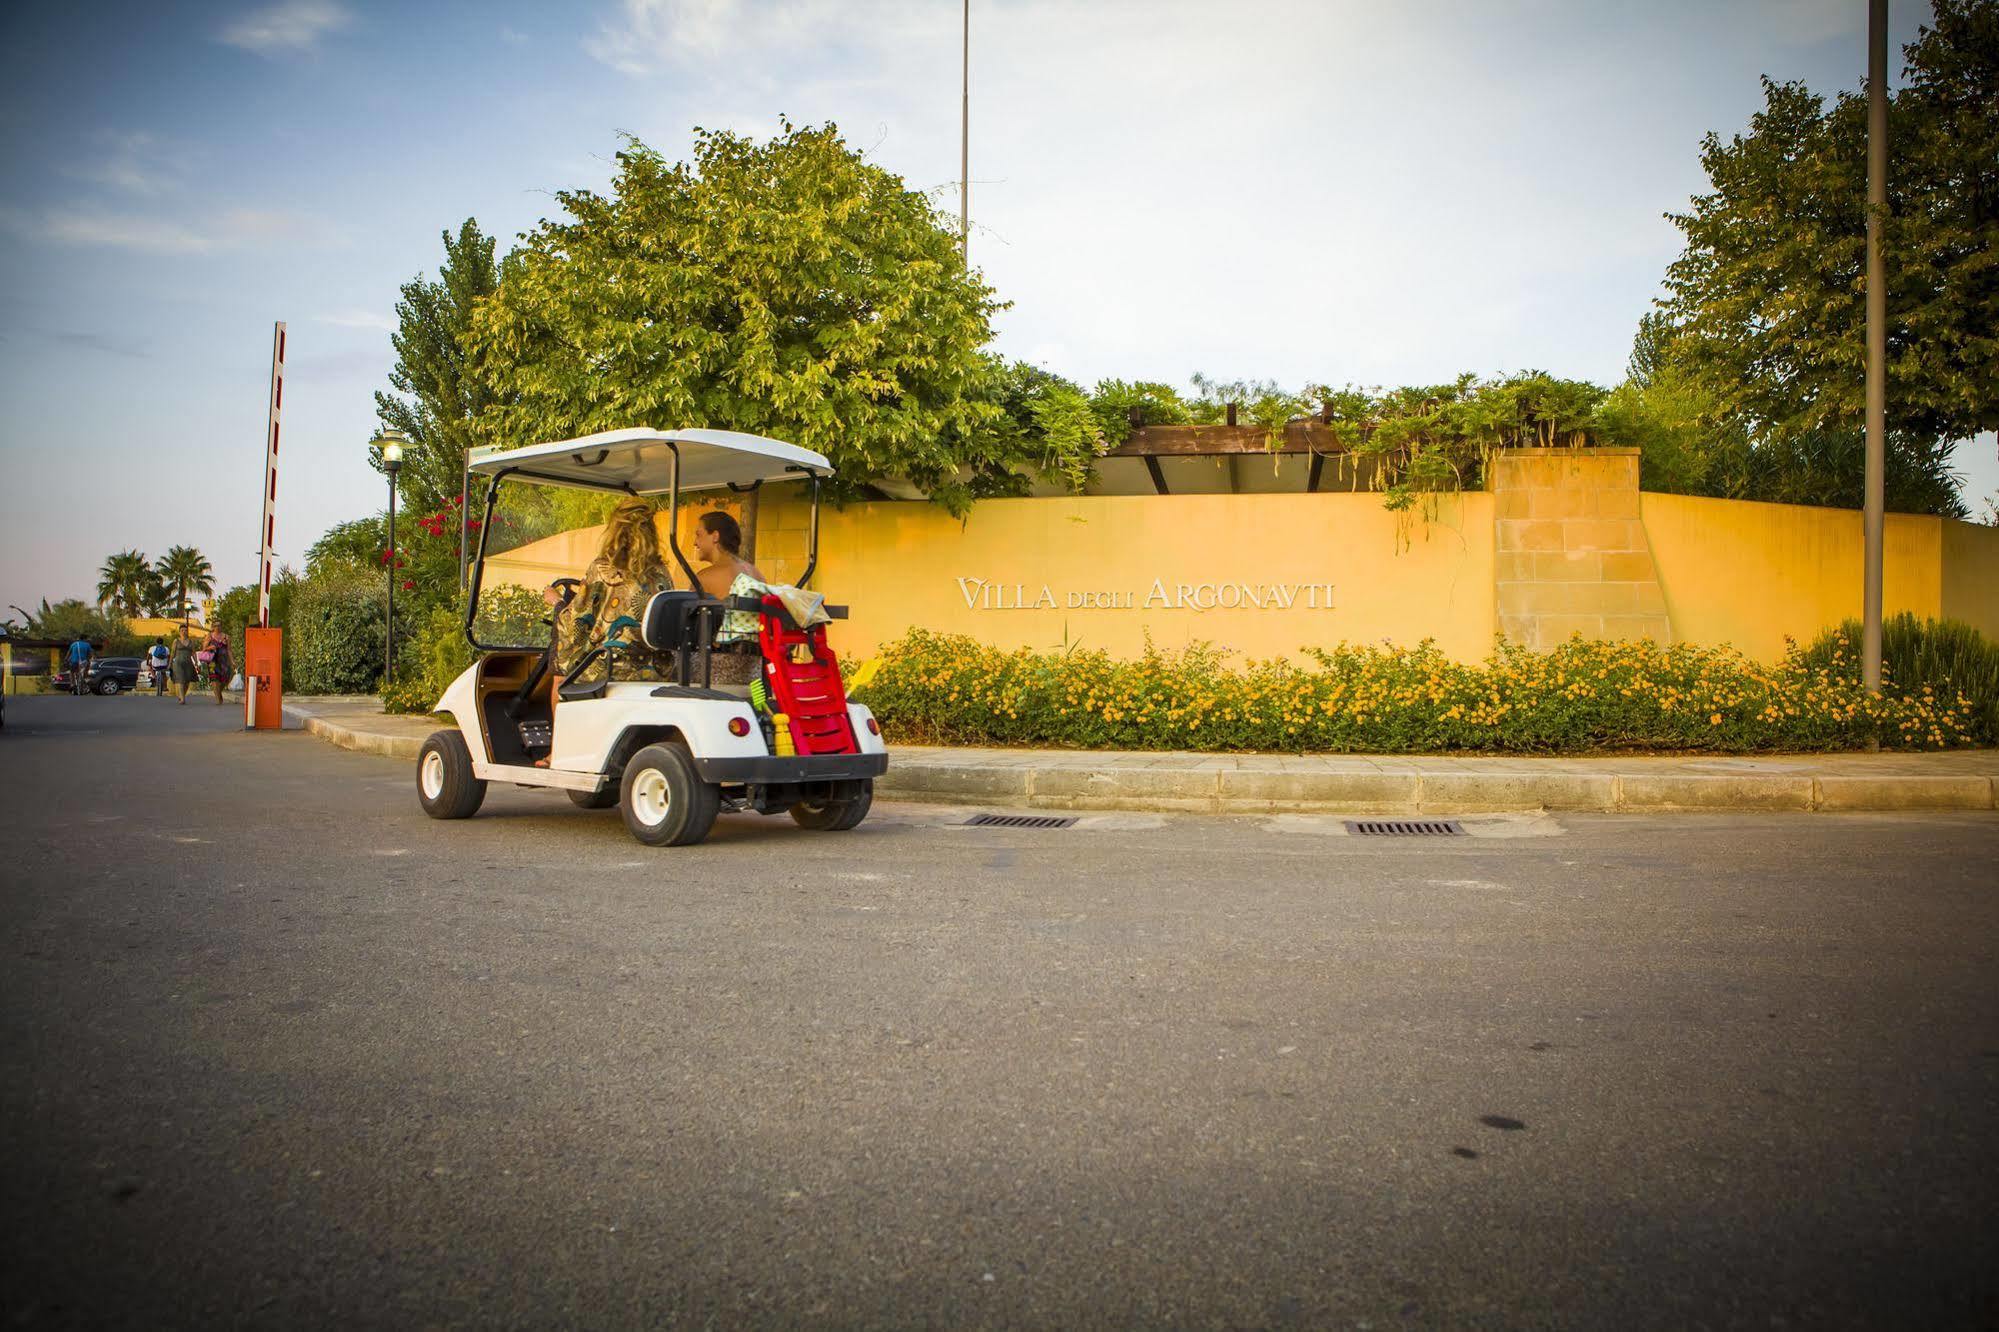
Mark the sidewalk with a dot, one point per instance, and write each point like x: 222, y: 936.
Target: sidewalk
x: 1347, y: 783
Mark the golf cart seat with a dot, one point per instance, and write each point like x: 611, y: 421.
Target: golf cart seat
x: 668, y: 623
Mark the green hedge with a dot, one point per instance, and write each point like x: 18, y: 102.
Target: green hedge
x: 1581, y: 697
x: 336, y: 632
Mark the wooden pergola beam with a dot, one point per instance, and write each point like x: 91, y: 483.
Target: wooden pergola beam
x: 1224, y: 441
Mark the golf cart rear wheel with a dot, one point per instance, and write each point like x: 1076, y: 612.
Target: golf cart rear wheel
x: 603, y: 799
x: 445, y: 786
x: 664, y: 800
x: 842, y: 810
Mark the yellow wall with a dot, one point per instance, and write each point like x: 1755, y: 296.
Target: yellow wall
x: 1750, y: 574
x: 167, y: 627
x: 898, y: 566
x: 1971, y: 575
x: 1729, y: 571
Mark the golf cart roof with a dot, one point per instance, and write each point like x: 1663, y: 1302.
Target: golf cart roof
x: 640, y: 461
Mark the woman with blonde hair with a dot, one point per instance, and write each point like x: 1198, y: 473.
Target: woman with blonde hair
x: 620, y: 580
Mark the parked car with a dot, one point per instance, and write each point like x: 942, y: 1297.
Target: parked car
x: 107, y: 675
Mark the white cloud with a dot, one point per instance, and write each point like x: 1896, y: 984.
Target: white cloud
x: 152, y: 234
x: 135, y: 163
x: 648, y: 35
x: 293, y: 25
x: 359, y: 319
x: 116, y: 231
x: 649, y: 31
x: 261, y: 226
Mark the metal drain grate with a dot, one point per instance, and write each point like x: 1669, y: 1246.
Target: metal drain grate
x: 1404, y: 828
x: 1016, y: 821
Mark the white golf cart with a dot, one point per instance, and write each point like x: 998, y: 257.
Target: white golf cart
x: 673, y: 753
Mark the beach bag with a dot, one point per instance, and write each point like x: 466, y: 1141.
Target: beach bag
x: 205, y: 656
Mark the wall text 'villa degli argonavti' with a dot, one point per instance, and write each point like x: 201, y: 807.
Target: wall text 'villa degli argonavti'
x: 984, y: 594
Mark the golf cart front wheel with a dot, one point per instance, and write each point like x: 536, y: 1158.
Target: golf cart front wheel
x: 843, y: 809
x: 445, y: 785
x: 664, y: 800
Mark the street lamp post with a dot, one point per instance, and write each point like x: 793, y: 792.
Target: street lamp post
x: 1872, y: 522
x: 391, y: 442
x: 965, y: 147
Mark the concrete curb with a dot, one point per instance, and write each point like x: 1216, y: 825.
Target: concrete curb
x: 361, y: 742
x: 1199, y: 788
x: 1235, y: 791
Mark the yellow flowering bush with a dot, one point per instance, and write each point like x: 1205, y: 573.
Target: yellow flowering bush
x: 1582, y: 696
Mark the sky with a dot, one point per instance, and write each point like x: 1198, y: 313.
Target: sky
x: 1336, y: 191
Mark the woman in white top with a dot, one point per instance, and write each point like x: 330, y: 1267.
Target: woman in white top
x: 718, y: 540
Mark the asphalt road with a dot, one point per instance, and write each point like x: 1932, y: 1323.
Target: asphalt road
x: 280, y: 1051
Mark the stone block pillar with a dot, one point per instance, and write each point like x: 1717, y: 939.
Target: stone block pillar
x: 1570, y: 549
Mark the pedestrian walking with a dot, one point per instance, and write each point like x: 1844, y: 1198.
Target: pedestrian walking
x: 157, y: 658
x: 220, y: 668
x: 183, y: 665
x: 79, y: 657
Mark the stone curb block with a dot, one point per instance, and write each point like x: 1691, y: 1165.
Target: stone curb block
x: 1318, y: 792
x: 1905, y: 792
x: 1191, y: 790
x: 951, y: 782
x: 1481, y: 792
x: 1719, y: 791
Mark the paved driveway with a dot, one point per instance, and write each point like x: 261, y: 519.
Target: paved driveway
x: 279, y: 1050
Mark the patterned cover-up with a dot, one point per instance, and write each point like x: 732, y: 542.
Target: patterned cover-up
x: 608, y: 593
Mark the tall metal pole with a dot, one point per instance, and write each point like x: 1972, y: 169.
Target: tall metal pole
x: 1877, y: 340
x: 389, y: 664
x: 965, y: 147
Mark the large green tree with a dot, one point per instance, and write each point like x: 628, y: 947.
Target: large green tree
x: 438, y: 390
x: 786, y: 287
x: 1767, y: 304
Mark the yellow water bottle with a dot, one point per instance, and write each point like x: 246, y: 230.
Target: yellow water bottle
x: 781, y: 725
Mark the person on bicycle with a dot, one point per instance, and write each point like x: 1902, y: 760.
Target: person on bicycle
x: 80, y: 654
x: 157, y: 658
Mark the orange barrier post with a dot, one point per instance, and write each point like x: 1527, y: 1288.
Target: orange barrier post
x: 263, y: 662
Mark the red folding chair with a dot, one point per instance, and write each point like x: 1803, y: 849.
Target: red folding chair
x: 808, y: 691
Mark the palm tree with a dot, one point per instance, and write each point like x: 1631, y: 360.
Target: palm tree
x: 185, y: 570
x: 123, y: 582
x: 159, y: 596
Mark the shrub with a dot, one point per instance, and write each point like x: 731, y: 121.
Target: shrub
x: 1944, y: 659
x: 70, y: 617
x: 336, y: 631
x: 1582, y: 696
x: 1114, y: 402
x: 436, y: 652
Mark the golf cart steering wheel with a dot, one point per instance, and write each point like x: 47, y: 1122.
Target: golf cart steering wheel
x: 541, y: 668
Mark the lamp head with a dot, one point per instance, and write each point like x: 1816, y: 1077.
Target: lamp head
x: 391, y: 442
